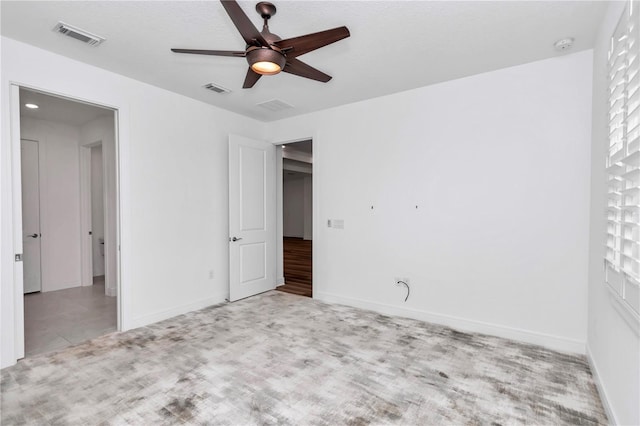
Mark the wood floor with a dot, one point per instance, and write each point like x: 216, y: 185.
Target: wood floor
x: 297, y: 267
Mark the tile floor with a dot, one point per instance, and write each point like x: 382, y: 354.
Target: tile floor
x: 57, y: 319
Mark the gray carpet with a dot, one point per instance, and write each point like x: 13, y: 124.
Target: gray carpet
x: 277, y: 358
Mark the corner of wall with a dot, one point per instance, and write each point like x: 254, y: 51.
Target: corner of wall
x: 602, y: 392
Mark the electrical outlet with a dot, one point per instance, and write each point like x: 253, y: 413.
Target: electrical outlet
x: 211, y: 274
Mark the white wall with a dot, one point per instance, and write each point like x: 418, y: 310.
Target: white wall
x: 297, y: 206
x: 102, y: 130
x: 613, y: 342
x: 173, y: 181
x: 498, y: 165
x: 293, y: 206
x: 97, y: 211
x: 59, y: 201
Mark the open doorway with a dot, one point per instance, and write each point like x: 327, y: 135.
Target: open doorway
x: 297, y: 217
x: 69, y: 204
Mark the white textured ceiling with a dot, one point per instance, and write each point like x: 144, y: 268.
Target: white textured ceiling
x: 52, y: 108
x: 394, y: 45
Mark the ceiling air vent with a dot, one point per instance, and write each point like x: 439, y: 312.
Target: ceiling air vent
x: 78, y: 34
x: 275, y: 105
x: 216, y: 88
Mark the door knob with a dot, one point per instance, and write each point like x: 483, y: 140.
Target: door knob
x: 236, y: 239
x: 33, y: 235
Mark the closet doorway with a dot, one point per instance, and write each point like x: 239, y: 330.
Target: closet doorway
x: 297, y: 217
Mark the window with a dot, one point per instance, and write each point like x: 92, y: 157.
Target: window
x: 622, y: 259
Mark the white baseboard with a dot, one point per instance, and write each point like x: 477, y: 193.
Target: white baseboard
x: 143, y: 320
x: 547, y: 340
x: 280, y: 281
x: 601, y: 389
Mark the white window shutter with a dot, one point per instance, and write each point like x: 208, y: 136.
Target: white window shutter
x: 622, y: 258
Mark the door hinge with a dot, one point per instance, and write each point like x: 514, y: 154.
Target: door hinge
x: 19, y: 257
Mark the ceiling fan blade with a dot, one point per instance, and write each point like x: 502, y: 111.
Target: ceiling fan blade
x: 304, y: 44
x: 249, y: 32
x: 238, y: 53
x: 251, y: 79
x: 297, y: 67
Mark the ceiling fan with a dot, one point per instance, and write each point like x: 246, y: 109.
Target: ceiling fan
x: 266, y: 53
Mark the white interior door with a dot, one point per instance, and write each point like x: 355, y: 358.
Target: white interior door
x: 252, y: 217
x: 31, y: 247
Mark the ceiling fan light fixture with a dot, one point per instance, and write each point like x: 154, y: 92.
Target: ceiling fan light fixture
x: 266, y: 61
x: 266, y: 68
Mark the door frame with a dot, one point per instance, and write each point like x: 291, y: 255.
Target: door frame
x: 86, y: 243
x: 121, y: 136
x: 86, y: 220
x: 315, y: 223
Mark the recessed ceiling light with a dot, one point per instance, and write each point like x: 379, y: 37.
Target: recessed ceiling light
x: 564, y: 44
x: 32, y: 106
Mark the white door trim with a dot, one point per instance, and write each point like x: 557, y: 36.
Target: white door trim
x: 86, y: 242
x: 111, y: 287
x: 279, y: 218
x: 123, y: 203
x: 16, y: 209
